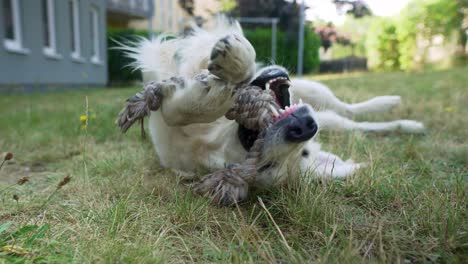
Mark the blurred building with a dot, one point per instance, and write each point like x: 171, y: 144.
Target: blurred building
x: 121, y: 13
x: 174, y: 16
x: 60, y: 42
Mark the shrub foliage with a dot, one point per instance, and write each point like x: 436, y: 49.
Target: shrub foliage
x: 286, y: 53
x: 260, y: 38
x: 403, y: 42
x: 118, y: 71
x: 383, y: 45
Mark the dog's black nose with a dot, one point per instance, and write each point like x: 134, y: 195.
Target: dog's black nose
x: 302, y: 128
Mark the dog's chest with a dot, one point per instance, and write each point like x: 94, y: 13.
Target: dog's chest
x: 191, y: 147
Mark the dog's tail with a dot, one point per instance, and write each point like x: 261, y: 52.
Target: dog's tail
x: 152, y: 56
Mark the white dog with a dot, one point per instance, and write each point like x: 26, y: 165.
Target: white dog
x: 201, y: 73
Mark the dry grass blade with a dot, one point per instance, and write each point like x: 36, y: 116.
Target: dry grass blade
x: 283, y: 239
x: 23, y: 180
x: 8, y: 156
x: 64, y: 182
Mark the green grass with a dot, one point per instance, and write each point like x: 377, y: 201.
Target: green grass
x: 121, y: 207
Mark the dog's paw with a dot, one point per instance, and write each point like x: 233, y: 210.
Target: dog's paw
x: 411, y: 126
x: 169, y: 86
x: 226, y: 187
x: 232, y: 59
x: 353, y: 166
x: 388, y: 102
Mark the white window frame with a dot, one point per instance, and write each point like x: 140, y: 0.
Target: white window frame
x: 169, y: 17
x: 162, y: 14
x: 175, y: 13
x: 15, y: 44
x: 76, y: 54
x: 96, y: 58
x: 51, y: 51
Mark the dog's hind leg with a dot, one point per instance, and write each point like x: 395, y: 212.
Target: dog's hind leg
x: 320, y: 97
x: 328, y: 120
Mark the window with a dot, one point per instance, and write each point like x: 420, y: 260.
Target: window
x: 95, y: 35
x: 171, y: 12
x: 12, y: 26
x: 163, y: 14
x: 174, y: 20
x: 8, y: 16
x: 48, y: 18
x: 73, y: 10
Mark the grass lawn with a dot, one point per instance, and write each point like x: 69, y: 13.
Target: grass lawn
x: 409, y: 205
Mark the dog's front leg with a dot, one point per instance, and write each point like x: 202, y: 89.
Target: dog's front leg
x: 209, y: 95
x: 181, y: 101
x: 202, y: 99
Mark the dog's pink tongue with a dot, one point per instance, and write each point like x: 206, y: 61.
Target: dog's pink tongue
x: 287, y: 111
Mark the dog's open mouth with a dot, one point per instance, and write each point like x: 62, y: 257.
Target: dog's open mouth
x: 277, y: 80
x: 280, y: 86
x: 285, y: 112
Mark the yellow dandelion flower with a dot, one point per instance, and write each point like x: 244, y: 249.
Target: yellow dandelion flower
x: 83, y: 127
x: 83, y: 118
x: 449, y: 109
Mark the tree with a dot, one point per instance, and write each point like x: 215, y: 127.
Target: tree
x: 329, y: 35
x: 383, y: 46
x: 227, y: 6
x: 424, y: 19
x: 356, y: 8
x: 187, y: 5
x: 446, y: 16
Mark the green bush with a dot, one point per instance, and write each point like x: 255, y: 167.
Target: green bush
x: 117, y: 68
x: 404, y: 43
x: 286, y: 52
x: 382, y: 45
x: 119, y: 73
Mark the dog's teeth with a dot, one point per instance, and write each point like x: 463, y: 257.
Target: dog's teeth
x: 273, y: 110
x: 267, y: 86
x: 281, y: 111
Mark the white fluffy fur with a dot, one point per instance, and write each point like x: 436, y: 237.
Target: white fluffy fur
x: 190, y: 131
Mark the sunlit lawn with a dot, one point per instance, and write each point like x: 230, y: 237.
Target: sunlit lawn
x: 120, y: 206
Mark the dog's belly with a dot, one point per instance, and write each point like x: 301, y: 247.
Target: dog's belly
x: 193, y: 147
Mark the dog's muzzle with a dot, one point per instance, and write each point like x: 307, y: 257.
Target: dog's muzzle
x: 302, y: 127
